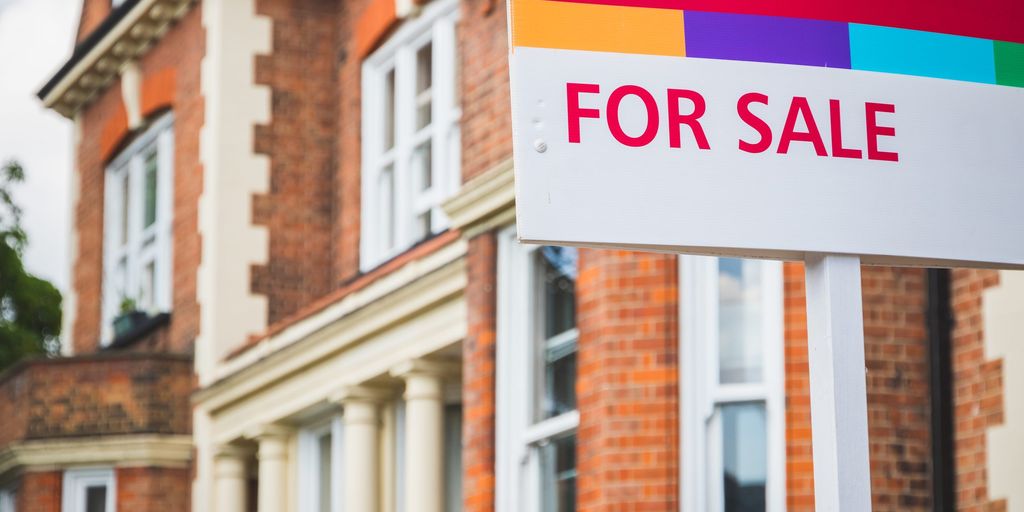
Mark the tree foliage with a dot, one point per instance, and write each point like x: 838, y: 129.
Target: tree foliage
x: 30, y: 307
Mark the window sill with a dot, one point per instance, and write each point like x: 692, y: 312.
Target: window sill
x: 140, y: 331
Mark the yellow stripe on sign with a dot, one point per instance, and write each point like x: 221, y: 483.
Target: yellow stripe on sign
x: 593, y: 27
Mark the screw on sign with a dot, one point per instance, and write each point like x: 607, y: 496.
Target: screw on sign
x: 833, y: 132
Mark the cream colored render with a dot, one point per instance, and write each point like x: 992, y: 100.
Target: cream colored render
x: 232, y: 174
x: 1004, y: 339
x: 69, y: 304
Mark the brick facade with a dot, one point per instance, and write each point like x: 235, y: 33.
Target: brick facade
x: 96, y: 396
x: 169, y: 79
x: 977, y: 389
x: 153, y: 489
x: 478, y: 375
x: 627, y: 386
x: 39, y: 491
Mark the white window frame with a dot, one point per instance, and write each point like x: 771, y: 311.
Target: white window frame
x: 8, y: 500
x: 435, y: 25
x: 309, y: 464
x: 701, y: 393
x: 77, y: 481
x: 144, y: 246
x: 518, y: 438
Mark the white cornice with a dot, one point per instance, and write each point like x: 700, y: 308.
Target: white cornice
x: 387, y: 302
x: 132, y: 36
x: 150, y: 450
x: 484, y: 202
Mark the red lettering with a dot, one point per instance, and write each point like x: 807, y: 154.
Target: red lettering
x: 572, y: 93
x: 875, y: 131
x: 692, y: 119
x: 649, y: 133
x: 837, y: 134
x: 799, y: 107
x: 743, y: 108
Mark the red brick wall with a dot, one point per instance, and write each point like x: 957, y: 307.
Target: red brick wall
x: 300, y: 143
x: 799, y: 468
x: 109, y: 395
x: 628, y: 381
x: 977, y: 389
x: 93, y: 13
x: 153, y: 489
x: 173, y: 61
x: 486, y: 108
x: 478, y: 375
x: 39, y: 491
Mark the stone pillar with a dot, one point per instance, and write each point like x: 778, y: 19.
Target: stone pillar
x: 424, y: 431
x: 361, y: 417
x: 229, y: 476
x: 273, y: 467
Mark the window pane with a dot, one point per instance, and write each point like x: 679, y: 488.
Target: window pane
x: 453, y: 458
x: 744, y: 456
x: 96, y: 499
x: 423, y: 222
x: 389, y: 110
x: 560, y: 381
x: 740, y: 298
x: 424, y: 81
x: 324, y: 459
x: 558, y: 475
x: 149, y: 210
x: 386, y: 205
x: 558, y: 278
x: 125, y: 206
x: 147, y: 295
x: 421, y: 166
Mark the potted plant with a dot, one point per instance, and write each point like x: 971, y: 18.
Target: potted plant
x: 129, y: 317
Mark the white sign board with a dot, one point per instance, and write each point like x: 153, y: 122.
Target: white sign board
x: 716, y: 156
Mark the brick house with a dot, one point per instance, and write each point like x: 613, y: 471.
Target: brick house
x: 312, y: 202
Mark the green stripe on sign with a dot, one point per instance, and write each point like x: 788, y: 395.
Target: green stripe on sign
x: 1009, y: 63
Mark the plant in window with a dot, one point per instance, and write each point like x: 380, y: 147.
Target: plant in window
x: 128, y: 318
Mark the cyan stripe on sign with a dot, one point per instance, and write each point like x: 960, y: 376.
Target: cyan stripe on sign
x: 766, y: 39
x: 912, y: 52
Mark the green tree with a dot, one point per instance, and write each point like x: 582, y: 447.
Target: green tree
x: 30, y: 311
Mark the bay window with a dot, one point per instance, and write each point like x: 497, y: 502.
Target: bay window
x: 410, y: 130
x: 137, y: 231
x: 733, y: 407
x: 89, y: 490
x: 537, y: 345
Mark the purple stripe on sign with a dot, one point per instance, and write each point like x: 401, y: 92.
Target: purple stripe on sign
x: 767, y: 39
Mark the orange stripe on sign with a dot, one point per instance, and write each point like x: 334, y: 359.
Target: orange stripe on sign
x: 593, y: 27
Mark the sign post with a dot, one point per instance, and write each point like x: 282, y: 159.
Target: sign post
x: 839, y: 413
x: 832, y: 132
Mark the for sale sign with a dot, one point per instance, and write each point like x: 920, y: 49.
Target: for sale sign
x: 890, y: 130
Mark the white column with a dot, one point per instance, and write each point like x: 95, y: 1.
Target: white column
x: 273, y: 467
x: 229, y: 476
x: 424, y: 432
x: 361, y: 416
x: 839, y: 414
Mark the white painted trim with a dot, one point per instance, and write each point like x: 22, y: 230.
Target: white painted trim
x: 485, y: 202
x: 77, y: 481
x: 308, y: 464
x: 145, y: 24
x: 700, y: 424
x: 517, y: 437
x: 407, y: 202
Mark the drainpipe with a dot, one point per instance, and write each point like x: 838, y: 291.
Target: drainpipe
x: 940, y: 353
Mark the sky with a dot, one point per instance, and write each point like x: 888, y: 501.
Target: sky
x: 36, y: 37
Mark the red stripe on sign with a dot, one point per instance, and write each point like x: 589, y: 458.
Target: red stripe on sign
x: 987, y: 19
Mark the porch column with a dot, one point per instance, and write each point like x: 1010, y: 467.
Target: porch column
x: 273, y: 467
x: 361, y: 417
x: 424, y: 431
x: 229, y: 476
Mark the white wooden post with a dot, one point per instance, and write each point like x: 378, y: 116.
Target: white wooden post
x: 839, y: 413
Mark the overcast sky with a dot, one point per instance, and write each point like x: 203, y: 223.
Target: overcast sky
x: 36, y: 37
